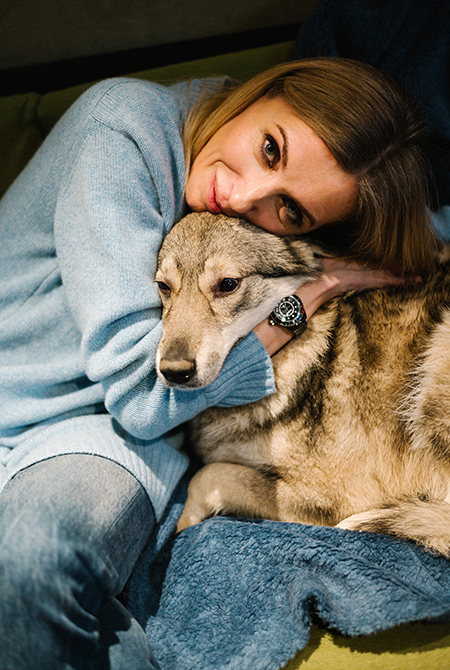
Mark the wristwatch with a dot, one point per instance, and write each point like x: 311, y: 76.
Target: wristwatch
x: 290, y: 314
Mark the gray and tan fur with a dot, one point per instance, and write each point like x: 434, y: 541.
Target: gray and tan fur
x: 357, y: 434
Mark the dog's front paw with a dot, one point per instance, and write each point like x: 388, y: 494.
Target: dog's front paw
x: 190, y: 517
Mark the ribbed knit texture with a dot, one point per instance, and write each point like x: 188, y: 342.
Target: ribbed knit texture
x: 79, y: 310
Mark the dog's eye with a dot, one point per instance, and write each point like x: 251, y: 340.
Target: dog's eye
x: 164, y: 288
x: 228, y: 285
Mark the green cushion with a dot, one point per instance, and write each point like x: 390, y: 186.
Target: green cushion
x: 408, y: 647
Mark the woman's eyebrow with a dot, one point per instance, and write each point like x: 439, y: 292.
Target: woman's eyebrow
x: 285, y: 146
x: 284, y: 160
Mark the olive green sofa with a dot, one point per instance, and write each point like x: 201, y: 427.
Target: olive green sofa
x: 25, y: 120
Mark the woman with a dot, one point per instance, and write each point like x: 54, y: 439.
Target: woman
x: 86, y: 468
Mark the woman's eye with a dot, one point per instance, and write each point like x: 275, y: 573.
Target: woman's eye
x: 228, y: 285
x: 164, y: 288
x: 290, y: 213
x: 270, y: 150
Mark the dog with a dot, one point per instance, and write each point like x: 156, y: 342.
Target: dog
x: 357, y: 434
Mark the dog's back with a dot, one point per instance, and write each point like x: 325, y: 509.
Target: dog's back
x: 358, y: 433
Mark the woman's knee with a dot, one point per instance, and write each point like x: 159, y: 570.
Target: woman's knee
x: 42, y: 565
x: 77, y: 515
x: 70, y: 533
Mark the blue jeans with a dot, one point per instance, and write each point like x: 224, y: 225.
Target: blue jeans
x: 71, y: 530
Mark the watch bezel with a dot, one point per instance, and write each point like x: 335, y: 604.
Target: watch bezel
x: 296, y: 322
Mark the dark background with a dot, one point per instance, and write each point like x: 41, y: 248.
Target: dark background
x: 51, y: 44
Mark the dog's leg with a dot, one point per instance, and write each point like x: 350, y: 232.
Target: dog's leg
x: 231, y: 489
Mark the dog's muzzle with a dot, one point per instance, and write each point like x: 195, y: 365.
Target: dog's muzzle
x: 177, y: 372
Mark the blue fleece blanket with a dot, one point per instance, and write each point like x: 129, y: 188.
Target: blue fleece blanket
x: 234, y: 594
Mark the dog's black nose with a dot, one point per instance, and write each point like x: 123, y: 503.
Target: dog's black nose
x: 177, y: 372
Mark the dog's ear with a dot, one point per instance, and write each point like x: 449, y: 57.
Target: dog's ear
x: 319, y: 249
x: 271, y: 255
x: 293, y: 256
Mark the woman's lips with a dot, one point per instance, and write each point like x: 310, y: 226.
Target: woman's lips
x: 211, y: 197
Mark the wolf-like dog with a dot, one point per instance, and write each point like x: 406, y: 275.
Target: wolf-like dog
x: 357, y: 434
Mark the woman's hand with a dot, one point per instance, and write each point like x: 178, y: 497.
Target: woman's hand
x: 339, y: 275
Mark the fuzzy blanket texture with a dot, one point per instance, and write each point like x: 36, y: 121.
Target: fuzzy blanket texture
x: 231, y: 594
x: 407, y: 39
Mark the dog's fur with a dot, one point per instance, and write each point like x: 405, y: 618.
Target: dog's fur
x: 357, y: 434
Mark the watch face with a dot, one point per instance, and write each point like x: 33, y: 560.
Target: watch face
x: 290, y: 314
x: 289, y: 311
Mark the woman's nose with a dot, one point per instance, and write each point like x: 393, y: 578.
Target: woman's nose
x: 247, y: 195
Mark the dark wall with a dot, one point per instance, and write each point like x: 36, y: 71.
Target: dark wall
x: 46, y: 31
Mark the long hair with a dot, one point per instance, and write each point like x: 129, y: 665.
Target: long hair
x: 375, y: 133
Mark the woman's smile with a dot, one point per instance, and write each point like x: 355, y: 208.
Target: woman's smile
x: 268, y: 166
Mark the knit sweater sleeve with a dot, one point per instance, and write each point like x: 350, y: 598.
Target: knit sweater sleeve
x: 121, y: 195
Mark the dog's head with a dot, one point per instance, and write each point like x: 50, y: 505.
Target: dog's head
x: 218, y: 277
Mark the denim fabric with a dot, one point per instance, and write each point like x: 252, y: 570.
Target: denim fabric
x: 71, y: 530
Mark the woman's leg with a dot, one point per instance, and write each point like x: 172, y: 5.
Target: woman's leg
x: 71, y: 530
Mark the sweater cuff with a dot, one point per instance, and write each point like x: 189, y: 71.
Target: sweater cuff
x: 246, y: 376
x: 441, y: 222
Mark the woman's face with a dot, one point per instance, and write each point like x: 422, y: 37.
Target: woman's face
x: 267, y: 166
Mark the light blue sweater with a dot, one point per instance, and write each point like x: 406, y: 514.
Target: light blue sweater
x: 79, y: 311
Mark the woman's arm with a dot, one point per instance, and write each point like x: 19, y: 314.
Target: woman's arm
x: 338, y: 276
x: 121, y: 195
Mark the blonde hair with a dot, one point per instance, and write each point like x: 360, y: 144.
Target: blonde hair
x: 373, y: 130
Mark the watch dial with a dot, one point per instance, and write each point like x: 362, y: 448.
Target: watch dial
x: 288, y: 309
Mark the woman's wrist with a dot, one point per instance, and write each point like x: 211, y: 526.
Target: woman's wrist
x: 313, y: 295
x: 339, y: 275
x: 272, y: 337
